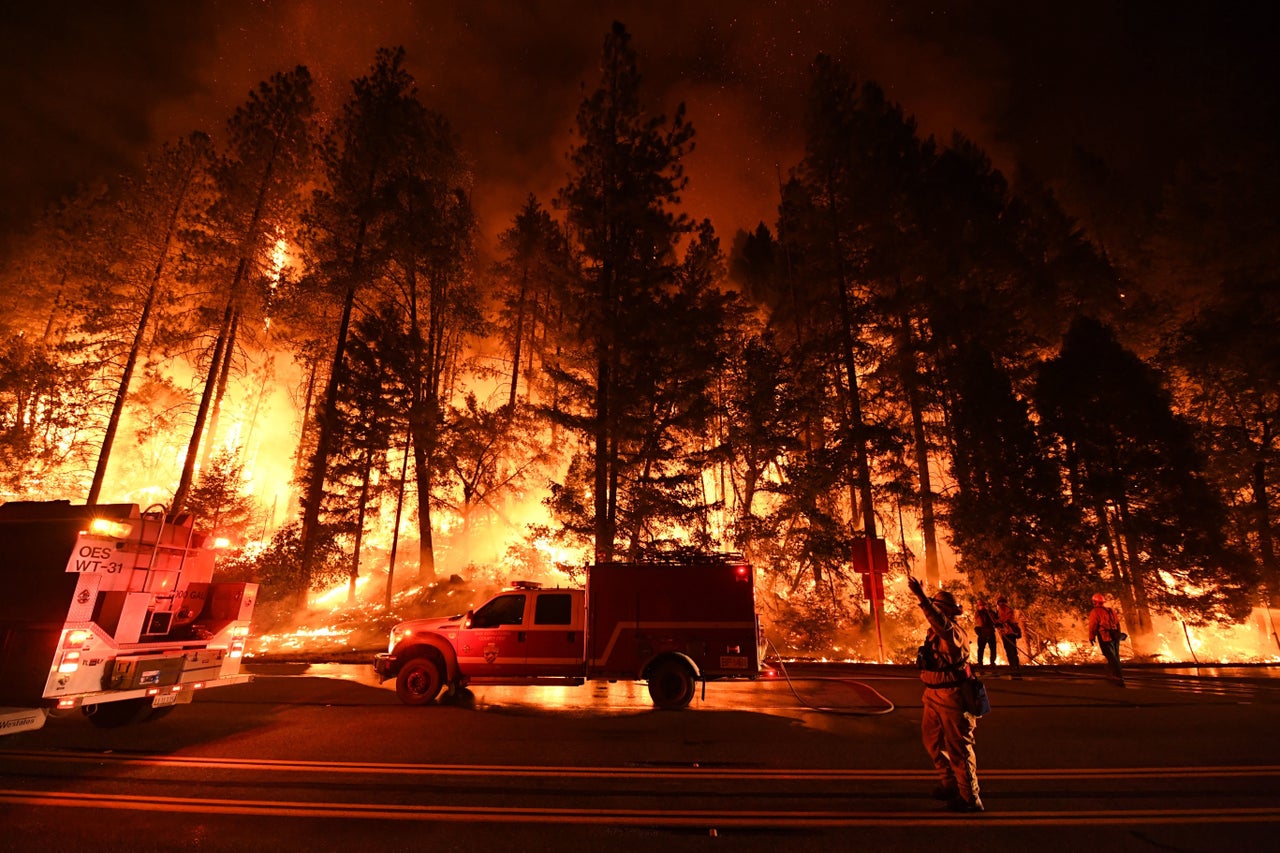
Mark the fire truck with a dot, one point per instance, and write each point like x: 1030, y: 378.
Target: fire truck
x: 111, y: 610
x: 670, y: 623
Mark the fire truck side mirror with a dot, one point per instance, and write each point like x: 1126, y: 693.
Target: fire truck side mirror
x: 466, y: 620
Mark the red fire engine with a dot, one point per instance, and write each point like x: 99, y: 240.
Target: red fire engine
x: 670, y: 623
x: 111, y: 610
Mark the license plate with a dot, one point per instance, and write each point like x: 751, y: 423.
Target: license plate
x: 731, y: 662
x: 163, y: 699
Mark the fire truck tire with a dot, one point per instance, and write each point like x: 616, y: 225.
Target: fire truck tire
x: 671, y: 685
x: 420, y: 681
x: 113, y: 715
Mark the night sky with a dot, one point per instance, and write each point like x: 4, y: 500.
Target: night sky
x: 88, y: 86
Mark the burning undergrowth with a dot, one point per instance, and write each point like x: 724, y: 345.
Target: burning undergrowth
x: 338, y: 626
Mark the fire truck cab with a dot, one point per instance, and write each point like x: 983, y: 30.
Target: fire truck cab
x: 670, y: 623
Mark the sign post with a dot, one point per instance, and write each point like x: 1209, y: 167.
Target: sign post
x: 872, y: 562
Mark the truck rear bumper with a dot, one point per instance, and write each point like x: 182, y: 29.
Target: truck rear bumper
x: 172, y: 694
x: 14, y: 720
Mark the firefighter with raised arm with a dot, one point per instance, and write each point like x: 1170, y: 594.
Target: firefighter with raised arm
x: 947, y: 727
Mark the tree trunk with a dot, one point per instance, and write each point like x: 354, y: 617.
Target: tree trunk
x: 395, y: 533
x: 320, y: 459
x: 1141, y: 619
x: 422, y: 455
x: 603, y: 479
x: 861, y: 458
x: 226, y: 330
x: 361, y: 507
x: 131, y: 362
x: 224, y: 377
x: 928, y: 524
x: 519, y: 339
x: 206, y: 398
x: 299, y: 463
x: 857, y: 429
x: 1262, y: 519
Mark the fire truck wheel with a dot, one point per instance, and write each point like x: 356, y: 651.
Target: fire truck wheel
x: 671, y: 685
x: 112, y: 715
x: 419, y: 681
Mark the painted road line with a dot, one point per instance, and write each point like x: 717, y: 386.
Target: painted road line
x: 636, y: 772
x: 635, y: 817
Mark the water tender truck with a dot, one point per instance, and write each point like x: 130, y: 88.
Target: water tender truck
x: 671, y: 623
x: 112, y: 610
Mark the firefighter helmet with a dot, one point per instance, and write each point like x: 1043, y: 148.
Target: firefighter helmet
x: 1099, y: 598
x: 942, y: 598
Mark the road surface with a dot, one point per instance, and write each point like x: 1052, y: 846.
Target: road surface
x: 323, y: 758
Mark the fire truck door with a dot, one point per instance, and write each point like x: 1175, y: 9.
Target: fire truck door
x: 555, y: 642
x: 496, y: 641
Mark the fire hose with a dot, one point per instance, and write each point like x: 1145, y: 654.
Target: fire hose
x: 852, y: 712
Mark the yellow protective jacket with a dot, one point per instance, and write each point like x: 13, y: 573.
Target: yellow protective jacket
x: 945, y: 654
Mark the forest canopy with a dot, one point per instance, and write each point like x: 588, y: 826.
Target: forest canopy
x: 296, y: 331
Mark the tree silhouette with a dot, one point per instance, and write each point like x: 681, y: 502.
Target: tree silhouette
x: 626, y: 176
x: 1135, y: 474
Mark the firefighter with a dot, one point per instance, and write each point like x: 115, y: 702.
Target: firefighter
x: 1104, y: 631
x: 984, y: 625
x: 1010, y: 628
x: 947, y: 727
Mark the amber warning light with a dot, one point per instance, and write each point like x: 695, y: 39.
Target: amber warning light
x: 110, y: 528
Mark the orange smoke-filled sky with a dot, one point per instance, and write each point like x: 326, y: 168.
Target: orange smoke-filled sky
x: 89, y: 86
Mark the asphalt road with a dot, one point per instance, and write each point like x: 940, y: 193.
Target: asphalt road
x: 323, y: 758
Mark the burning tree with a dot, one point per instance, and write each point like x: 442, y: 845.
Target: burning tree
x: 150, y: 218
x: 875, y: 372
x: 1135, y: 474
x: 393, y: 218
x: 259, y: 182
x: 1230, y: 358
x: 533, y: 278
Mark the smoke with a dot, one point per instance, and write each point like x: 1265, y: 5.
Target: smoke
x: 91, y: 87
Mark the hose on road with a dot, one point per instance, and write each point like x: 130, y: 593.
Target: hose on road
x: 850, y: 712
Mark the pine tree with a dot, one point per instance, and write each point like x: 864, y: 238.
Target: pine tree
x: 395, y: 216
x: 1009, y: 520
x: 1229, y: 358
x: 533, y: 274
x: 626, y: 177
x: 370, y: 417
x: 147, y: 225
x: 1135, y: 475
x: 258, y: 183
x: 218, y: 500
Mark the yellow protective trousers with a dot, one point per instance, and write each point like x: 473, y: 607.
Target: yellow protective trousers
x: 948, y: 738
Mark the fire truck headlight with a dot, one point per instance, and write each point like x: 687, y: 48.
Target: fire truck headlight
x: 76, y: 638
x: 70, y: 662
